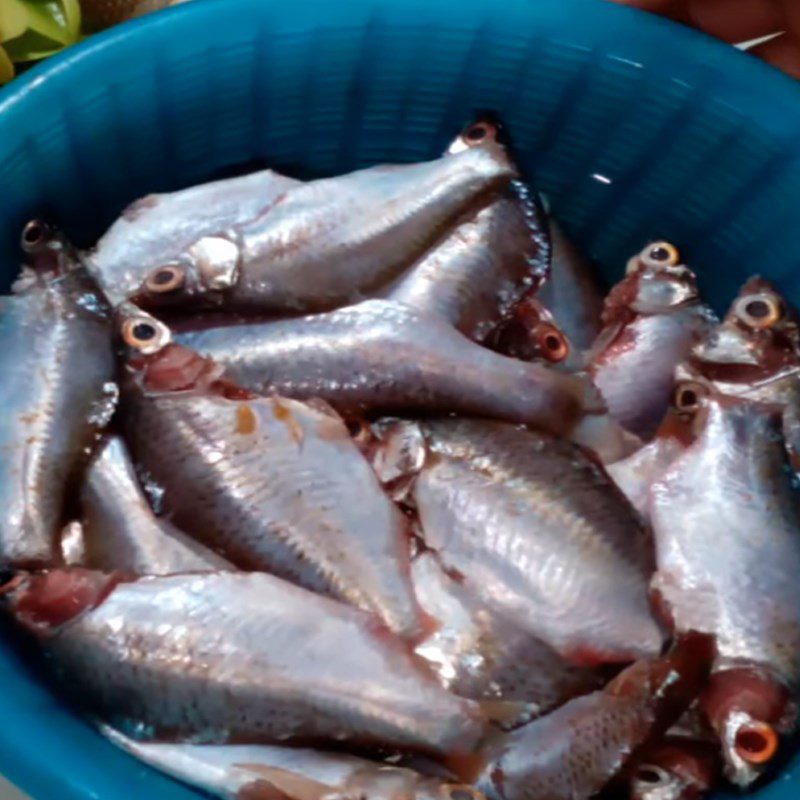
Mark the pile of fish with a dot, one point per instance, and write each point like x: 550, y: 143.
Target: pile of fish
x: 358, y: 489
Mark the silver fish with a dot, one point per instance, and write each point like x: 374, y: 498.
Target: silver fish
x: 479, y: 653
x: 157, y: 229
x: 539, y: 532
x: 120, y: 530
x: 326, y: 242
x: 269, y: 482
x: 234, y: 657
x: 254, y: 772
x: 384, y: 356
x: 477, y: 271
x: 754, y: 353
x: 57, y: 391
x: 490, y: 257
x: 726, y: 517
x: 635, y: 474
x: 572, y: 292
x: 48, y: 254
x: 676, y: 768
x: 572, y: 753
x: 652, y: 319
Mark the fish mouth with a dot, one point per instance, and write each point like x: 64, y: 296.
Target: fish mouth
x: 748, y: 746
x: 727, y: 345
x: 651, y: 782
x: 10, y: 581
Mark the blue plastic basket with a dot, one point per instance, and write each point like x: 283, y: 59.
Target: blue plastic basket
x: 636, y: 128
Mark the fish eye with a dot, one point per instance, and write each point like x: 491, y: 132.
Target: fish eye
x: 651, y: 775
x: 166, y: 279
x: 756, y: 743
x: 479, y: 132
x: 145, y: 335
x: 553, y: 343
x: 759, y: 310
x: 34, y: 234
x: 688, y: 396
x: 660, y: 254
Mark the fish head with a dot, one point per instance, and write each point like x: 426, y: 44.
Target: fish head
x: 531, y: 333
x: 43, y: 602
x: 481, y: 132
x: 655, y: 283
x: 759, y: 306
x: 749, y: 710
x: 203, y: 271
x: 42, y: 242
x: 758, y: 338
x: 701, y: 411
x: 675, y: 769
x: 685, y: 416
x: 155, y: 362
x: 48, y: 255
x: 653, y: 782
x: 649, y: 289
x: 486, y: 134
x: 654, y: 256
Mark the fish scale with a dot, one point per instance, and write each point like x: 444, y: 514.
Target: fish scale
x: 481, y: 267
x: 231, y: 771
x: 225, y: 657
x: 572, y: 753
x: 49, y: 405
x: 538, y: 531
x: 309, y: 510
x: 733, y: 485
x: 120, y: 530
x: 383, y: 356
x: 481, y: 653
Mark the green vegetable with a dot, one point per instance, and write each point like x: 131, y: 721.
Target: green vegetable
x: 34, y: 29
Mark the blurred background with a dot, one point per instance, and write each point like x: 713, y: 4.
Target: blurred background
x: 31, y: 30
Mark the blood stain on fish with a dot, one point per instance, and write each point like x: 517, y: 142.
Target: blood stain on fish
x: 246, y: 421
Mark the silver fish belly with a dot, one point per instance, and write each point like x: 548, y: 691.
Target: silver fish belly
x: 538, y: 531
x: 479, y: 269
x: 726, y: 518
x: 56, y: 393
x: 120, y: 530
x: 277, y: 484
x: 232, y: 657
x: 234, y: 772
x: 479, y: 653
x: 336, y: 240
